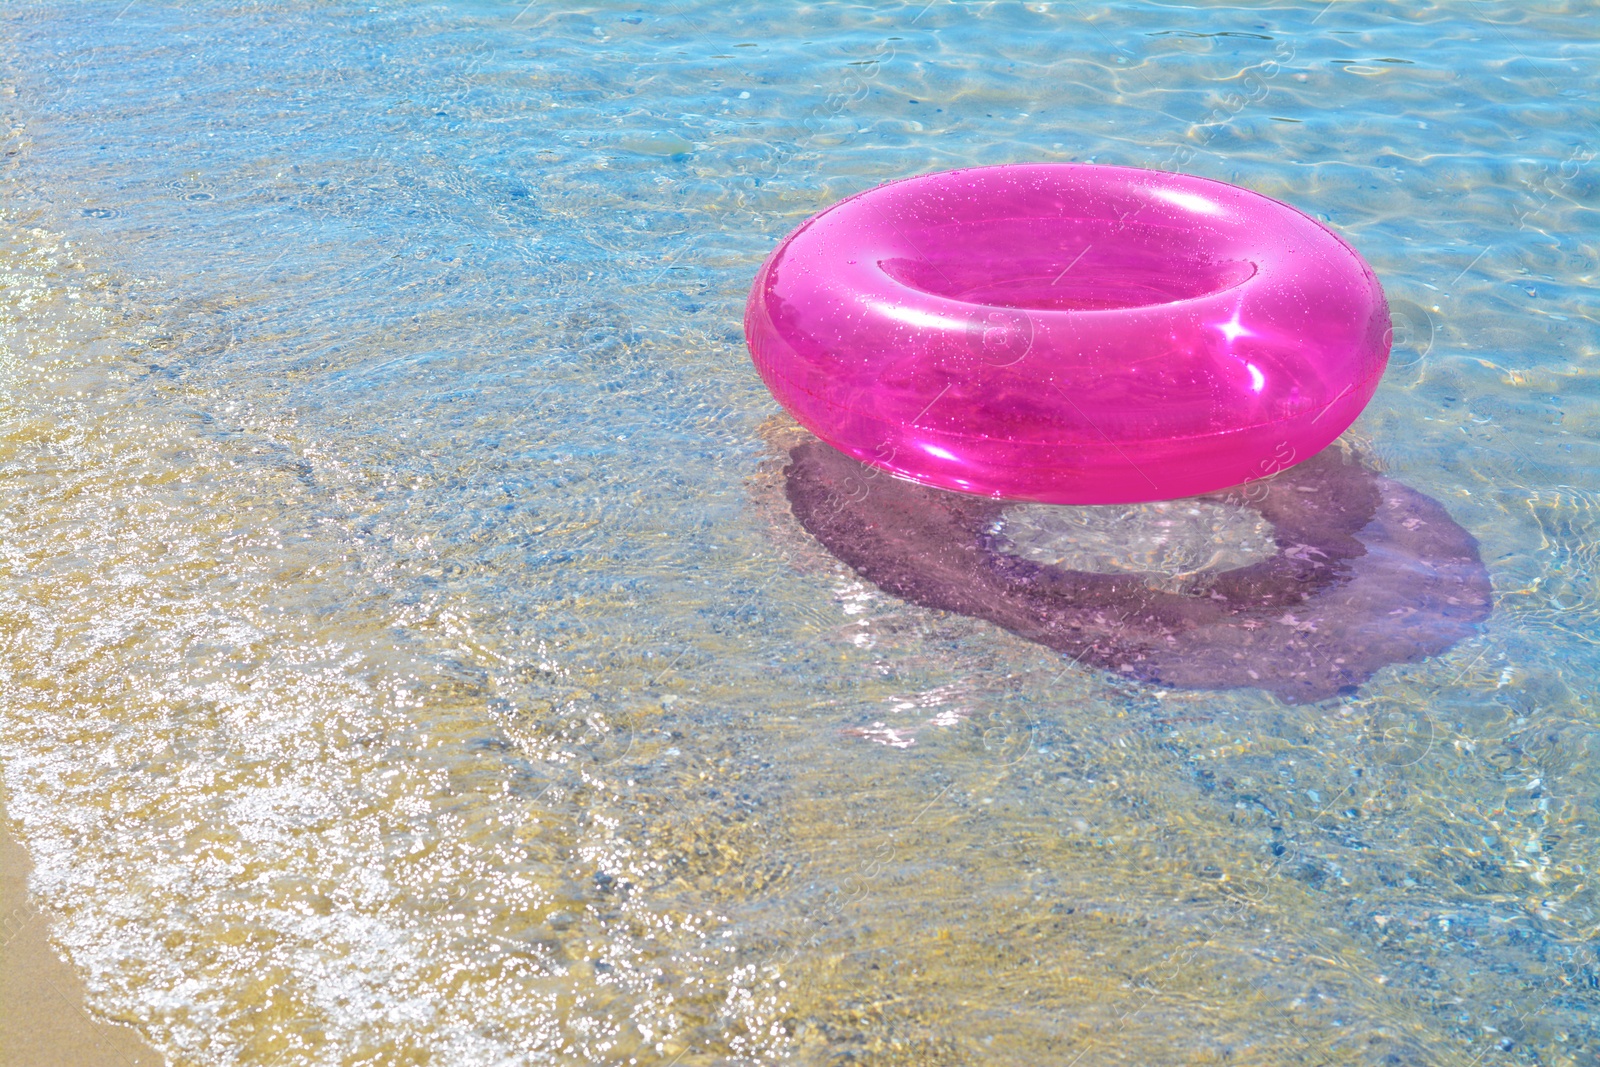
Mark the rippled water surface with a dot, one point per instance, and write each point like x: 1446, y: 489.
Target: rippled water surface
x: 407, y: 655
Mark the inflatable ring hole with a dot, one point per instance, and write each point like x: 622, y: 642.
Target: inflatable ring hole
x: 1172, y: 546
x: 1065, y: 265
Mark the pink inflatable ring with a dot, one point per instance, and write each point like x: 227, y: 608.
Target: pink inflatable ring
x: 1069, y: 333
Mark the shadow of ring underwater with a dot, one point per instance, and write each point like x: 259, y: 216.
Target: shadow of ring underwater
x: 1367, y: 573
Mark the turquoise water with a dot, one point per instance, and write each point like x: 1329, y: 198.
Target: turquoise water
x: 409, y: 657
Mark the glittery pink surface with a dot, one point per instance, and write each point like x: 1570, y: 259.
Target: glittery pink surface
x: 1069, y: 333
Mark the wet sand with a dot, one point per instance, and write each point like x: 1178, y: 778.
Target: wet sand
x: 43, y: 1021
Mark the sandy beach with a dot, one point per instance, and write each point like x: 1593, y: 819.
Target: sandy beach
x: 43, y: 1021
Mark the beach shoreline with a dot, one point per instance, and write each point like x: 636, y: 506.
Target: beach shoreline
x: 43, y: 1019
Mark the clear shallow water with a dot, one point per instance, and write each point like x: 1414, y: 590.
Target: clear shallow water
x: 408, y: 656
